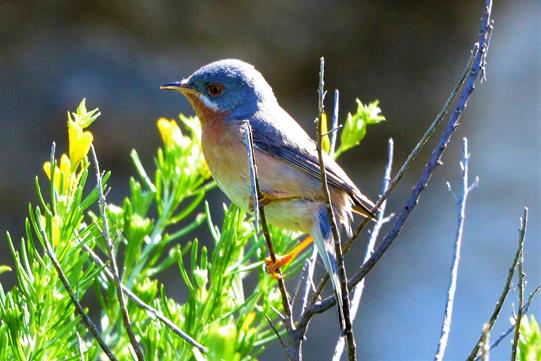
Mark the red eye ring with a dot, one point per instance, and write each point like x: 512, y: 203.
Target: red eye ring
x: 215, y: 89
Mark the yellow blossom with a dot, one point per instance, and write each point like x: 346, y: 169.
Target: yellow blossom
x: 62, y: 175
x: 79, y: 143
x: 325, y: 141
x: 55, y: 229
x: 170, y: 132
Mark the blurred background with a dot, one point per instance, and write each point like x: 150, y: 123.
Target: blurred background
x: 407, y: 54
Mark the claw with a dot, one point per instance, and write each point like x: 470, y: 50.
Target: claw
x: 263, y: 199
x: 273, y: 268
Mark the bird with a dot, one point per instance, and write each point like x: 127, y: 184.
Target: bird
x: 227, y: 93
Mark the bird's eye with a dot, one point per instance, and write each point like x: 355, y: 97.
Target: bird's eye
x: 215, y: 89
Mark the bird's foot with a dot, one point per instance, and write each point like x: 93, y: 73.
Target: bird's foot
x: 263, y: 199
x: 273, y: 268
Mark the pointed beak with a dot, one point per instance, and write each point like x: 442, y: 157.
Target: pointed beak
x: 181, y: 86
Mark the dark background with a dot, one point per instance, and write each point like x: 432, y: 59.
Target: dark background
x: 408, y: 54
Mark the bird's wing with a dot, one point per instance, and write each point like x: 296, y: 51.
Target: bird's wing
x: 281, y: 136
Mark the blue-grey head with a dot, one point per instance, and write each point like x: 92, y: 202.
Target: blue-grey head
x: 230, y: 86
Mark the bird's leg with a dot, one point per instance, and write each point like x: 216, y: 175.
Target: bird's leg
x: 265, y: 198
x: 273, y: 267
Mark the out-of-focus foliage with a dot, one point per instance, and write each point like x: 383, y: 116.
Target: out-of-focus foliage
x: 529, y: 342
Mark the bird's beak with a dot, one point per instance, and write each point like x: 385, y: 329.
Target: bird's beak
x: 181, y: 86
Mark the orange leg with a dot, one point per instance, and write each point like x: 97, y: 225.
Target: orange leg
x: 273, y: 268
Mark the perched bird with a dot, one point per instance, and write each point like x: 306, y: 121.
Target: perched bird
x: 224, y: 95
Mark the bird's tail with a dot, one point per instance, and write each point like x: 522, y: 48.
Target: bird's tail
x: 323, y: 240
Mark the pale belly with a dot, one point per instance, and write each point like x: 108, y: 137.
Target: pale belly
x: 229, y: 166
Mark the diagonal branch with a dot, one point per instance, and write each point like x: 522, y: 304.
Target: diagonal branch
x: 452, y: 124
x: 510, y: 329
x: 461, y: 206
x: 499, y: 304
x: 159, y: 315
x: 114, y: 267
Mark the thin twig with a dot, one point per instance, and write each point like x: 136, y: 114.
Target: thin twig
x: 461, y: 216
x: 114, y: 267
x: 159, y: 315
x: 520, y: 298
x: 334, y: 122
x: 510, y: 329
x: 499, y: 304
x: 418, y: 147
x: 485, y: 347
x: 284, y: 347
x: 411, y: 157
x: 249, y: 142
x: 380, y: 221
x: 422, y: 183
x: 86, y: 319
x: 308, y: 279
x: 348, y: 330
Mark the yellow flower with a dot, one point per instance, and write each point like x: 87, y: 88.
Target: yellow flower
x: 55, y: 229
x: 325, y: 141
x: 170, y: 132
x: 62, y: 175
x: 79, y: 143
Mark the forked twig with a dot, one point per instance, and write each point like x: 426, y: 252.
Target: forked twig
x: 510, y: 329
x: 499, y: 304
x: 422, y: 183
x: 461, y: 216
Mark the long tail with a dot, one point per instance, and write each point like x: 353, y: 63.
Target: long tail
x: 323, y: 240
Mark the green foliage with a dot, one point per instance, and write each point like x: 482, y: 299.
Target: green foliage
x: 354, y: 129
x: 151, y: 232
x: 529, y: 342
x: 220, y: 307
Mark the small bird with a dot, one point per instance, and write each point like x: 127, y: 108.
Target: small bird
x: 226, y: 93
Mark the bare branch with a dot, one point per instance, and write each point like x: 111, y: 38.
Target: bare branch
x: 485, y: 347
x: 418, y: 147
x: 112, y: 258
x: 422, y: 183
x: 520, y: 294
x: 86, y: 319
x: 499, y: 304
x: 308, y: 279
x: 380, y: 221
x: 249, y: 142
x: 461, y: 206
x: 510, y: 329
x: 334, y: 122
x: 348, y: 330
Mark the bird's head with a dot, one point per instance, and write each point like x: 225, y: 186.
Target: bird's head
x: 229, y: 86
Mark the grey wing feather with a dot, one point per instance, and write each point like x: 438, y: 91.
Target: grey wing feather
x: 284, y: 138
